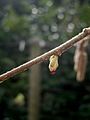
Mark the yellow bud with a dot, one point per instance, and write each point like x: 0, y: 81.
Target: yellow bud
x: 53, y: 65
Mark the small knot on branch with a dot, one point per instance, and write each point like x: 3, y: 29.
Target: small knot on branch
x: 58, y: 52
x: 86, y: 30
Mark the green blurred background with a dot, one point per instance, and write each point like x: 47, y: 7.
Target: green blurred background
x: 29, y: 28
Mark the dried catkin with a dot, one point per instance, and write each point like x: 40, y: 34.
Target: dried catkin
x: 80, y: 60
x: 82, y: 63
x: 76, y: 58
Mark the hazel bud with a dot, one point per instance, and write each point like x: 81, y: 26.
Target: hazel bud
x: 53, y: 65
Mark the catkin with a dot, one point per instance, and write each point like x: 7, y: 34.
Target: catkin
x: 80, y: 60
x: 81, y: 66
x: 76, y: 58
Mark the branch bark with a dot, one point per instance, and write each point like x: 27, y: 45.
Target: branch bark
x: 57, y: 51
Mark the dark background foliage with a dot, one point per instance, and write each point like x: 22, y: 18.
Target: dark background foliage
x: 52, y: 22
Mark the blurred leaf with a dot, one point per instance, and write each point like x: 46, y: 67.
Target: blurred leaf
x: 84, y: 14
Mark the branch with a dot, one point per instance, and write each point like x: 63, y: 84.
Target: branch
x: 57, y: 51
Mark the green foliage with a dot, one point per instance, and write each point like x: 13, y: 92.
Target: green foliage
x: 84, y: 14
x: 15, y: 23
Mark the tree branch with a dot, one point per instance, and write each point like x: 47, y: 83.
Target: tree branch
x: 57, y: 51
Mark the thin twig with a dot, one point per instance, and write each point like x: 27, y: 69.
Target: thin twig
x: 57, y: 51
